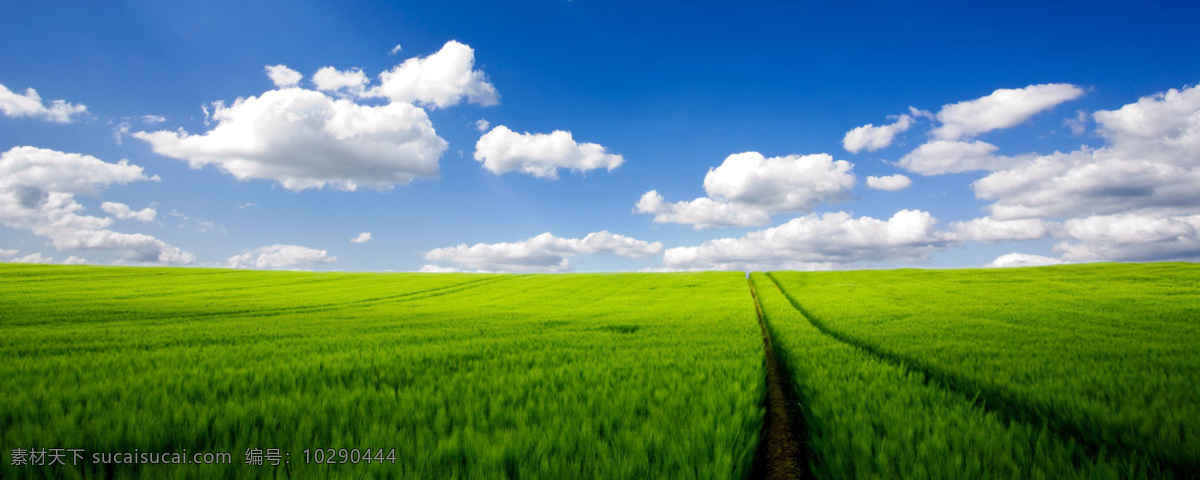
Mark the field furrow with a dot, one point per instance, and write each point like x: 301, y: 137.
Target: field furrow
x: 1080, y: 349
x: 870, y: 418
x: 782, y: 452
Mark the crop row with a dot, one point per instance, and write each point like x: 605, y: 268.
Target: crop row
x: 577, y: 376
x: 870, y: 418
x: 1103, y: 353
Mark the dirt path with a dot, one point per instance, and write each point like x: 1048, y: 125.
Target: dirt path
x: 782, y: 453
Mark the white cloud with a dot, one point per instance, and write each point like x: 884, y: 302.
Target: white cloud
x: 1135, y: 198
x: 363, y: 237
x: 891, y: 183
x: 54, y: 171
x: 702, y: 212
x: 1131, y: 237
x: 282, y: 76
x: 747, y: 188
x: 280, y: 256
x: 396, y: 49
x: 1021, y: 260
x: 121, y: 131
x: 37, y: 193
x: 30, y: 105
x: 540, y: 154
x: 440, y: 80
x: 305, y: 139
x: 939, y: 157
x: 1003, y: 108
x: 33, y: 258
x: 795, y: 183
x: 1078, y: 123
x: 542, y: 253
x: 11, y: 257
x: 482, y: 124
x: 438, y: 269
x: 73, y: 260
x: 990, y: 230
x: 816, y: 241
x: 871, y: 138
x: 123, y: 212
x: 1164, y: 127
x: 350, y: 82
x: 1150, y: 162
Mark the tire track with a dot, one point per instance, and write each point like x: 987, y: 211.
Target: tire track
x: 782, y: 452
x: 1004, y: 404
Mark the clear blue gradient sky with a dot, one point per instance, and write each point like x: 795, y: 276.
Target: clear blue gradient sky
x: 674, y: 88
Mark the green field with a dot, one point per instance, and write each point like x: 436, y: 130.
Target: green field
x: 622, y: 376
x: 1086, y: 371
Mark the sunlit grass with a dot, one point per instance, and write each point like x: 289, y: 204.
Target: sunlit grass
x: 466, y: 376
x: 1109, y: 352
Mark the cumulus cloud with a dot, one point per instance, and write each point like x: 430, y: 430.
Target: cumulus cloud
x: 990, y: 230
x: 1150, y: 163
x: 33, y: 258
x: 282, y: 76
x: 1003, y: 108
x: 482, y: 124
x: 953, y: 151
x: 1134, y: 198
x: 814, y: 241
x: 123, y: 212
x: 542, y: 253
x: 440, y: 80
x: 153, y: 119
x: 1131, y: 237
x: 396, y: 49
x: 280, y: 256
x: 1164, y: 127
x: 73, y: 260
x: 747, y: 188
x: 350, y: 82
x: 780, y: 184
x: 942, y: 156
x: 306, y: 139
x: 1021, y: 260
x: 701, y: 213
x: 870, y: 138
x: 540, y: 154
x: 891, y: 183
x: 37, y: 193
x: 363, y: 237
x: 30, y: 105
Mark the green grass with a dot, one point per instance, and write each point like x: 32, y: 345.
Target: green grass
x: 1106, y: 353
x: 868, y: 418
x: 466, y: 376
x: 1082, y: 371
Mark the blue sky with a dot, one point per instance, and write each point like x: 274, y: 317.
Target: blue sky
x: 1076, y: 135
